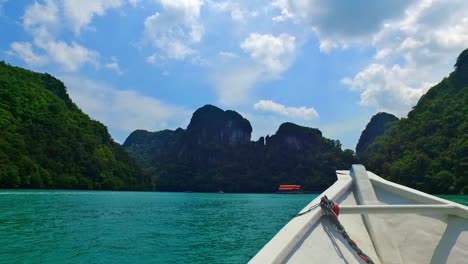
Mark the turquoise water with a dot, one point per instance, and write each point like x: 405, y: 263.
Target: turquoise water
x: 461, y: 199
x: 132, y: 227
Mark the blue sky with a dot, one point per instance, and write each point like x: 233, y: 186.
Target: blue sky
x: 148, y: 64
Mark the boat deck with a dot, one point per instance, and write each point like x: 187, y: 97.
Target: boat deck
x: 382, y: 228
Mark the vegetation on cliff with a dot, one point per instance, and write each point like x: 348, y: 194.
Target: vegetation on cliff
x: 46, y: 141
x: 377, y: 126
x: 429, y: 149
x: 215, y: 153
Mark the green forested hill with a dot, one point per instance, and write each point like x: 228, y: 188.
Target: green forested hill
x: 46, y: 141
x: 429, y: 149
x: 215, y: 153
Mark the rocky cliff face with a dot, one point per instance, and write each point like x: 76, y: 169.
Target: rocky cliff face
x: 210, y: 124
x: 295, y: 137
x: 144, y: 143
x: 377, y: 126
x: 215, y: 153
x: 461, y: 68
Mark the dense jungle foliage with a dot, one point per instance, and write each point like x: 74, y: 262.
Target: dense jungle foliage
x: 428, y: 150
x: 215, y: 153
x: 46, y: 141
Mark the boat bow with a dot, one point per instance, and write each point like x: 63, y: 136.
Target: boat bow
x: 391, y: 223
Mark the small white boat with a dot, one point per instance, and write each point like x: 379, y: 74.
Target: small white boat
x: 389, y: 222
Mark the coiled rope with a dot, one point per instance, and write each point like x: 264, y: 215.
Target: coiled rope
x: 331, y: 210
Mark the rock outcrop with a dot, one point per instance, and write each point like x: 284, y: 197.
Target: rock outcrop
x: 296, y: 137
x: 210, y: 124
x: 215, y: 153
x: 377, y: 126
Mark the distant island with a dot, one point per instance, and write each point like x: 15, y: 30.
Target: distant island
x: 46, y: 141
x: 215, y: 153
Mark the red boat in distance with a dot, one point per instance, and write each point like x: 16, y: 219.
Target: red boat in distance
x: 289, y: 188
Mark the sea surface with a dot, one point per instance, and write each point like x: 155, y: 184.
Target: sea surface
x: 139, y: 227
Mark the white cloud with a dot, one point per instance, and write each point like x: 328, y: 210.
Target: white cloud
x: 176, y: 29
x: 41, y: 17
x: 70, y: 56
x: 113, y: 65
x: 188, y: 9
x: 388, y: 88
x: 123, y: 111
x: 274, y: 54
x: 412, y: 54
x: 43, y: 21
x: 77, y: 14
x: 237, y: 11
x: 234, y: 77
x: 416, y: 42
x: 25, y: 51
x: 305, y: 113
x: 80, y: 13
x: 338, y: 23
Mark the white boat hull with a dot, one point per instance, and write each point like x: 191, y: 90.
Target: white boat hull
x: 391, y: 223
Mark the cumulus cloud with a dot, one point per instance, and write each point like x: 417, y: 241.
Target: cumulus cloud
x: 43, y: 21
x: 24, y: 50
x: 306, y: 113
x: 273, y: 53
x: 175, y: 29
x: 416, y: 42
x: 123, y: 111
x: 80, y: 13
x: 388, y: 88
x: 70, y: 56
x: 339, y: 23
x: 47, y: 19
x: 42, y: 18
x: 238, y: 12
x: 412, y: 54
x: 269, y: 56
